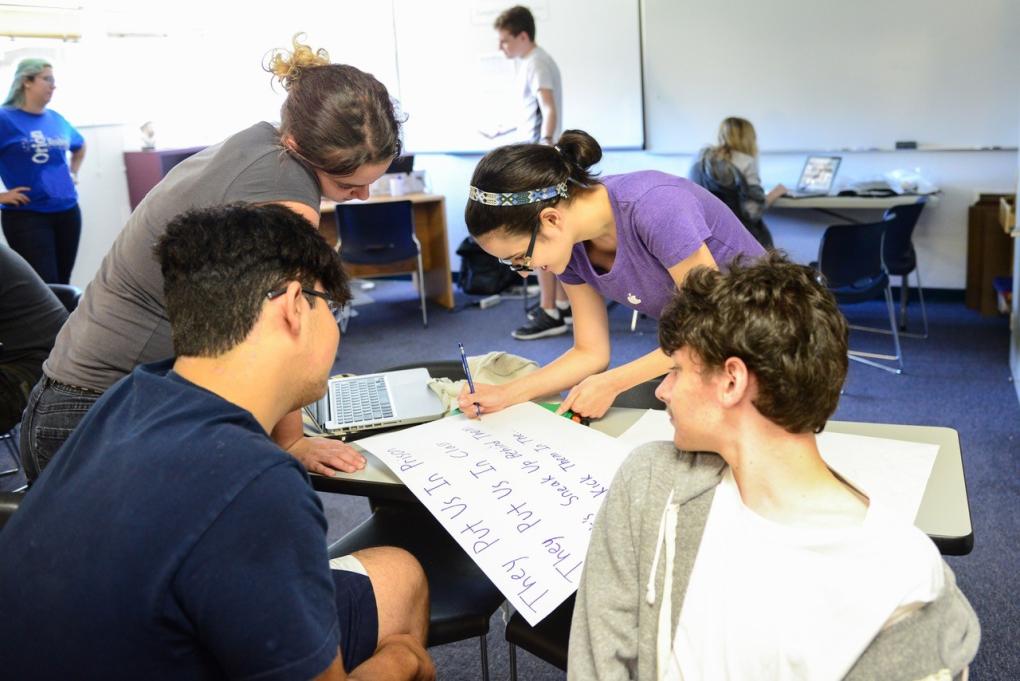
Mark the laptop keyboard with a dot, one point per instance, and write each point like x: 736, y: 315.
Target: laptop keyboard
x: 362, y: 399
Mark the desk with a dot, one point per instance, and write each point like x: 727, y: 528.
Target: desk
x: 829, y: 205
x: 429, y: 227
x: 944, y: 514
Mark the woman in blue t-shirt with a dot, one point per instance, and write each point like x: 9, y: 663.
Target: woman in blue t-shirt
x: 40, y: 215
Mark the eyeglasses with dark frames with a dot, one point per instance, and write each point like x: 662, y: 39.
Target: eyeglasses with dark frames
x: 523, y: 263
x: 337, y: 309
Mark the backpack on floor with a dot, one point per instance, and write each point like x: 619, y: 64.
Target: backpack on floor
x: 482, y: 274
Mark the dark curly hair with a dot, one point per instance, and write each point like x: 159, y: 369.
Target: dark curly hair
x: 219, y: 263
x: 780, y: 320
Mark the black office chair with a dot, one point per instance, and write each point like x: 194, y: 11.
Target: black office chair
x: 850, y: 258
x: 548, y: 640
x: 641, y: 396
x: 381, y: 234
x: 67, y: 294
x: 461, y: 598
x: 901, y: 258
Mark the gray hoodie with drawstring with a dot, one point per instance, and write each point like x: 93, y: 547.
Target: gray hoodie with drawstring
x: 616, y: 623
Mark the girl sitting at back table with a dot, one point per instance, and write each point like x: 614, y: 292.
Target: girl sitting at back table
x: 631, y: 238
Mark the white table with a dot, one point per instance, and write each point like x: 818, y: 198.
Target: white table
x: 832, y: 205
x: 944, y: 514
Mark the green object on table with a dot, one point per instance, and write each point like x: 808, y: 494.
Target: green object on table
x: 551, y: 406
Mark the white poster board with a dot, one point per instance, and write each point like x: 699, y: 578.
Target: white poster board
x: 518, y: 490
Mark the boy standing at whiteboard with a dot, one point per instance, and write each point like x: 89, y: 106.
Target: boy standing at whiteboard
x: 756, y: 561
x: 538, y: 121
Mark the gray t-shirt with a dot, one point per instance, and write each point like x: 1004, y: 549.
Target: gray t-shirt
x: 537, y: 71
x: 121, y: 320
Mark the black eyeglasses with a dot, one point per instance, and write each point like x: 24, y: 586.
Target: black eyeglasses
x: 334, y: 307
x: 523, y: 264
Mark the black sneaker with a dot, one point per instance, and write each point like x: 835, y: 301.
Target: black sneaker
x: 565, y: 315
x: 540, y: 327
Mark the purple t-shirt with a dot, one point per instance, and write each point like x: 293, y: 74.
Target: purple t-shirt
x: 660, y: 221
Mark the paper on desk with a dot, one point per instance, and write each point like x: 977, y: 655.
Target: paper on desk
x: 517, y: 490
x: 894, y: 472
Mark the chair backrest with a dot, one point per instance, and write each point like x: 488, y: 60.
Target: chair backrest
x: 852, y: 254
x: 376, y: 233
x: 67, y: 294
x: 641, y: 396
x: 899, y: 246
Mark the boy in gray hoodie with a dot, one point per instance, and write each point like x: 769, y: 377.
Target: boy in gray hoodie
x: 757, y: 561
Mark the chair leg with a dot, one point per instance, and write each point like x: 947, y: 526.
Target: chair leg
x: 920, y: 296
x: 904, y: 297
x: 421, y: 284
x: 485, y: 657
x: 513, y: 662
x: 862, y: 357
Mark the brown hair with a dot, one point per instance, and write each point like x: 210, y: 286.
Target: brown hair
x: 340, y: 118
x: 514, y: 20
x: 780, y: 321
x: 523, y: 167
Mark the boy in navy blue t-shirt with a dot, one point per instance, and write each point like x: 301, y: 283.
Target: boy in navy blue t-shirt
x: 171, y: 537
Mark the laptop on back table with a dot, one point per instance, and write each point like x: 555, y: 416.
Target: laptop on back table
x: 817, y: 177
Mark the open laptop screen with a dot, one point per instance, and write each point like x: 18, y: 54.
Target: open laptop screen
x: 818, y: 174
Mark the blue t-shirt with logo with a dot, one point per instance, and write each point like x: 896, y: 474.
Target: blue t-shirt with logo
x: 169, y: 538
x: 33, y: 153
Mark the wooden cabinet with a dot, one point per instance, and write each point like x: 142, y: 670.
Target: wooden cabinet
x: 989, y: 253
x: 146, y: 168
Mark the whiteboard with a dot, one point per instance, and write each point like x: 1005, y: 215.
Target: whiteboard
x: 830, y: 74
x: 454, y: 81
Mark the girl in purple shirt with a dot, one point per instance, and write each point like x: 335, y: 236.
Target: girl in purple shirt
x: 631, y: 238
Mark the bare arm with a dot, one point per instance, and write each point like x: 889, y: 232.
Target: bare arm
x: 550, y: 116
x: 15, y: 196
x: 595, y: 394
x: 398, y: 657
x: 77, y: 156
x: 589, y: 355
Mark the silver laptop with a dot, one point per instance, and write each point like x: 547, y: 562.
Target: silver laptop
x: 817, y: 177
x: 392, y: 398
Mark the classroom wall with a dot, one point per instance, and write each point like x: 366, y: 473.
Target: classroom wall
x: 203, y: 81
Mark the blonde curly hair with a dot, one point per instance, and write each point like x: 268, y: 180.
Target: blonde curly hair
x: 286, y: 65
x: 336, y: 118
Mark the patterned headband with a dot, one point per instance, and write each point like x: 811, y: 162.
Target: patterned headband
x: 517, y: 198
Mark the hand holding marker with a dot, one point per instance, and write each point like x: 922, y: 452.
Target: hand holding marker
x: 467, y: 373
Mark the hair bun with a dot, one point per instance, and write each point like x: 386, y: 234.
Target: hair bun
x: 287, y: 65
x: 579, y: 148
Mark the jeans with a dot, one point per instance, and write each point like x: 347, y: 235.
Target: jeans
x: 54, y: 410
x: 48, y: 241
